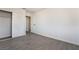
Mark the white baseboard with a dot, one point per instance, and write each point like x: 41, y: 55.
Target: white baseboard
x: 57, y: 38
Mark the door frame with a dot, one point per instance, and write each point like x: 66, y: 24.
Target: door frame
x: 11, y: 24
x: 29, y: 23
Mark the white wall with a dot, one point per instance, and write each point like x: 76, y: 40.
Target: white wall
x: 5, y: 24
x: 28, y: 13
x: 27, y: 24
x: 61, y: 24
x: 18, y: 21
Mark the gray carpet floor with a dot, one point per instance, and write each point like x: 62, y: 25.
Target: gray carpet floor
x: 35, y: 42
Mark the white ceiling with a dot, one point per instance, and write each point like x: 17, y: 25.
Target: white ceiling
x: 33, y: 9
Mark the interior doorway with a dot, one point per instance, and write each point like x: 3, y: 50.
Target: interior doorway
x: 28, y: 24
x: 5, y: 24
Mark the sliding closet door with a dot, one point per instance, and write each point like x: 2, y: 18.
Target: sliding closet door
x: 5, y: 24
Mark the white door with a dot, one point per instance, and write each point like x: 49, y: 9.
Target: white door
x: 5, y: 24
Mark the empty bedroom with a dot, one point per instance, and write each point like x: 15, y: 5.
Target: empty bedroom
x: 39, y: 28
